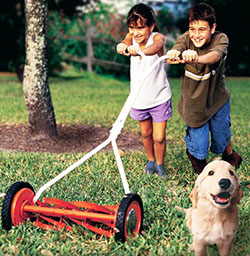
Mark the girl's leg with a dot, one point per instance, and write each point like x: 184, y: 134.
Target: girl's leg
x: 159, y: 139
x: 159, y: 130
x: 147, y: 138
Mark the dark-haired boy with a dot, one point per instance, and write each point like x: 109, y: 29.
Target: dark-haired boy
x: 205, y: 101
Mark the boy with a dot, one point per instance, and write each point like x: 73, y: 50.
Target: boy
x: 204, y: 104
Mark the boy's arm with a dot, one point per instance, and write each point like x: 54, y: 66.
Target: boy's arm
x: 174, y: 55
x: 190, y: 56
x: 124, y: 44
x: 217, y: 52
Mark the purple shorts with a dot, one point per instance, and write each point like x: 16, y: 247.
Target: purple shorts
x: 158, y: 113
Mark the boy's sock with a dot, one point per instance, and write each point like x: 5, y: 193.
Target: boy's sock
x: 162, y: 172
x: 198, y: 165
x: 150, y: 168
x: 234, y: 159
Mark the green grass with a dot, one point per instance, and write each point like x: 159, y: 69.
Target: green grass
x: 90, y: 99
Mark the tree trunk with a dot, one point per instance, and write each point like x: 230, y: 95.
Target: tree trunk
x: 35, y: 84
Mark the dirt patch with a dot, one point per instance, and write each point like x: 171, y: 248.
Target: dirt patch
x: 71, y: 138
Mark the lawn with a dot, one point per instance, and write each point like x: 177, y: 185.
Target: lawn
x: 81, y: 98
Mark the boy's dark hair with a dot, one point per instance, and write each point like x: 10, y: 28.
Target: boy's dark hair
x: 142, y: 12
x: 202, y: 11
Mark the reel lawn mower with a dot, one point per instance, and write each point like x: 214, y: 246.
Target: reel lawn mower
x: 123, y: 220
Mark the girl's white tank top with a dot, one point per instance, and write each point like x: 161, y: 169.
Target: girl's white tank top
x: 156, y: 89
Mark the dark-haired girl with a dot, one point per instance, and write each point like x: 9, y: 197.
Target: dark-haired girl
x: 153, y: 106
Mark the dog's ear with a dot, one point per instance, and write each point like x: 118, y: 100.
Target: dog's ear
x: 239, y: 194
x: 238, y: 197
x: 194, y: 196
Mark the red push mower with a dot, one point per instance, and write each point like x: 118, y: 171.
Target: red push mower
x: 123, y: 220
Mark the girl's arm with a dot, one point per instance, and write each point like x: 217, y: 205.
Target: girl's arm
x: 156, y: 47
x: 124, y: 44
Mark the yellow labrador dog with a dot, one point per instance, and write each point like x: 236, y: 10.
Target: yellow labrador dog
x: 213, y: 217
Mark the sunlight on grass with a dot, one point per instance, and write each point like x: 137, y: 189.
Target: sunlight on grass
x: 81, y: 98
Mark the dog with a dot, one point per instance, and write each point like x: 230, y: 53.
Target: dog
x: 213, y: 217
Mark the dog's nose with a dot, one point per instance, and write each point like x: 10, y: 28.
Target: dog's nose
x: 225, y: 183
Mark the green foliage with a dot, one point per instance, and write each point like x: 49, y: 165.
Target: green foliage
x: 106, y: 26
x: 59, y: 26
x: 54, y: 48
x: 92, y: 99
x: 165, y: 21
x: 62, y: 15
x: 12, y: 35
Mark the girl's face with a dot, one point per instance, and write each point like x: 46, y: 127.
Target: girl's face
x: 140, y: 32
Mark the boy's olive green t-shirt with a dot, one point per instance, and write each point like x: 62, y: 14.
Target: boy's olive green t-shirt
x: 203, y: 85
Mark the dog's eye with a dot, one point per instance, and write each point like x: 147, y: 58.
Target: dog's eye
x: 211, y: 173
x: 231, y: 173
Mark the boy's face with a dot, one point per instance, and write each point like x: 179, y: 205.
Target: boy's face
x: 200, y: 32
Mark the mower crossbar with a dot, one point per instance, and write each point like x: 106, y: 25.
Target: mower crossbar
x: 68, y: 213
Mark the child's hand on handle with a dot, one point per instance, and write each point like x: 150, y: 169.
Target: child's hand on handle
x: 190, y: 56
x: 133, y: 50
x: 173, y: 57
x: 122, y: 49
x: 127, y: 50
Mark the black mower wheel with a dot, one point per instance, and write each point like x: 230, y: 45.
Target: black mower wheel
x: 7, y: 202
x: 129, y: 218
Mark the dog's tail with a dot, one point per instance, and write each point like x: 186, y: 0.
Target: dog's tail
x: 181, y: 209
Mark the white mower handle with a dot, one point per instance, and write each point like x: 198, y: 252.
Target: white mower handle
x: 114, y: 132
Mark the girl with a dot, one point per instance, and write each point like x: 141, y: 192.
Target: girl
x: 152, y: 107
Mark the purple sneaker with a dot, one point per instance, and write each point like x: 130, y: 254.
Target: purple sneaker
x: 150, y: 168
x: 162, y: 171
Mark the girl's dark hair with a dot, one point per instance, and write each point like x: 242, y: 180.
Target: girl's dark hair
x: 144, y: 13
x: 202, y: 11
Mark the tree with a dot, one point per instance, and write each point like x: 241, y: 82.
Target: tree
x: 35, y: 84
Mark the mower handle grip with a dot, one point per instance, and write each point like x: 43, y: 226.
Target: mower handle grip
x: 141, y: 53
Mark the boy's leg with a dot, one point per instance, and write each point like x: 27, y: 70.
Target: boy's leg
x: 197, y: 141
x: 221, y: 136
x: 233, y: 158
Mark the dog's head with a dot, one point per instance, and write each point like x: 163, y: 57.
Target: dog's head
x: 219, y: 184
